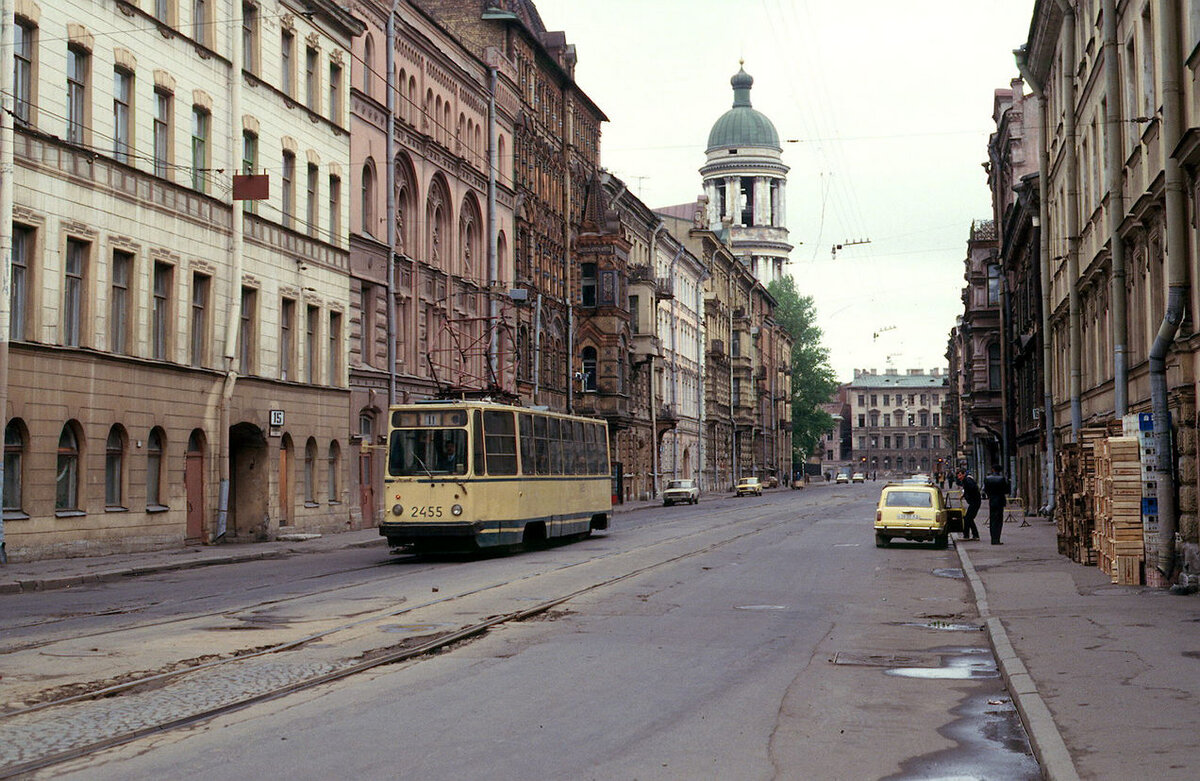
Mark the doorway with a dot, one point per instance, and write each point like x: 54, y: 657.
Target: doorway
x: 193, y: 483
x: 249, y: 488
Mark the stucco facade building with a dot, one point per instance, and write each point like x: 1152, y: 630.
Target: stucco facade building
x: 176, y: 364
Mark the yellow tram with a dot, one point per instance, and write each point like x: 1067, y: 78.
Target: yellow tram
x: 469, y: 475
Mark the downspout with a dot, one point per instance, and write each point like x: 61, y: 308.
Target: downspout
x: 493, y: 232
x: 653, y: 435
x: 7, y: 171
x: 1071, y: 161
x: 653, y: 270
x: 1113, y: 147
x: 1177, y: 285
x: 701, y: 373
x: 674, y: 366
x: 233, y: 320
x: 1042, y: 220
x: 390, y: 266
x: 566, y: 259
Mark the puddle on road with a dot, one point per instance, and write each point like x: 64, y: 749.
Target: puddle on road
x: 761, y: 607
x: 944, y: 626
x: 949, y: 572
x: 963, y: 664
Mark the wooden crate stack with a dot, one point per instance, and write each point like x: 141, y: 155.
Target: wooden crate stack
x: 1118, y: 535
x: 1073, y: 503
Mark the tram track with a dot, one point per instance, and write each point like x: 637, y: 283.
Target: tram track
x: 367, y: 660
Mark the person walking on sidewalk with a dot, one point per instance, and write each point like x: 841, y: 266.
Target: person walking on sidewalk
x: 996, y: 488
x: 971, y: 496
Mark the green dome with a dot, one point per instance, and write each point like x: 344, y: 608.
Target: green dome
x: 742, y: 125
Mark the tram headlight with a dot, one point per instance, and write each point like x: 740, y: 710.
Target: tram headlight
x: 397, y: 509
x: 456, y: 510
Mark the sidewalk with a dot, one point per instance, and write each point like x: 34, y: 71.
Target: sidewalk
x: 49, y: 574
x: 1106, y: 677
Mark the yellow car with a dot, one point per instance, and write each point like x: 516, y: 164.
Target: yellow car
x: 914, y: 512
x: 749, y: 485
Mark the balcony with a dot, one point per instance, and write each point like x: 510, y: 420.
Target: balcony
x: 716, y: 348
x: 664, y: 288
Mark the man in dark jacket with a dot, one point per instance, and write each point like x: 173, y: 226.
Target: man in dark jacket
x: 971, y: 496
x: 996, y: 488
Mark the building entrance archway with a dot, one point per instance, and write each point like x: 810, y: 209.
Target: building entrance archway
x: 249, y: 483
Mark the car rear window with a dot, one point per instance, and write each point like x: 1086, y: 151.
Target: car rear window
x: 908, y: 499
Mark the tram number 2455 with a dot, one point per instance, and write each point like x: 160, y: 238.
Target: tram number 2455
x: 426, y: 511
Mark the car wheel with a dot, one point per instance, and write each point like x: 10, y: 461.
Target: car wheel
x: 666, y: 503
x: 942, y: 541
x: 881, y: 541
x: 696, y: 500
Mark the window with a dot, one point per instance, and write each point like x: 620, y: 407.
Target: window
x: 162, y: 133
x: 737, y: 392
x: 198, y: 352
x: 75, y: 273
x: 312, y: 204
x: 334, y: 466
x: 199, y: 149
x: 122, y: 101
x: 14, y: 457
x: 200, y: 21
x: 589, y: 368
x: 288, y: 188
x: 312, y: 79
x: 335, y: 349
x: 77, y: 82
x: 246, y: 333
x: 587, y: 284
x: 993, y: 284
x: 368, y: 64
x: 23, y: 48
x: 160, y: 313
x: 500, y: 443
x: 118, y: 302
x: 312, y: 328
x: 862, y: 400
x: 873, y: 400
x: 335, y: 92
x: 154, y: 467
x: 66, y: 491
x: 368, y: 197
x: 862, y: 421
x: 287, y: 314
x: 937, y: 419
x: 162, y: 10
x: 249, y: 166
x: 335, y: 209
x: 22, y: 251
x: 114, y: 468
x: 924, y: 418
x: 250, y: 37
x: 286, y: 55
x: 635, y: 320
x: 310, y: 472
x: 994, y: 368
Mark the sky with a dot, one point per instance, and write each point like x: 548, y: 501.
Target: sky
x: 883, y: 109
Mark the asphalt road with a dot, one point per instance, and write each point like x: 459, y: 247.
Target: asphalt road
x: 735, y: 639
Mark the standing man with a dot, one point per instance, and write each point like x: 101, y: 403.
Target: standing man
x: 971, y: 496
x: 995, y: 486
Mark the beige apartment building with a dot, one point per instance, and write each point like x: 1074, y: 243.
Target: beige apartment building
x: 176, y: 363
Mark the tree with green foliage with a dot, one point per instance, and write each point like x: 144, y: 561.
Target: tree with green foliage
x: 813, y: 381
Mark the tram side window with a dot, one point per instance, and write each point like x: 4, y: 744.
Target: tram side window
x: 589, y: 438
x: 580, y: 460
x: 500, y: 443
x: 527, y: 444
x: 554, y: 440
x: 477, y: 438
x: 541, y: 425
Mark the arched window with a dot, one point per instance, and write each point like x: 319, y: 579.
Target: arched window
x: 368, y: 197
x: 114, y: 468
x: 335, y: 473
x: 14, y: 457
x: 588, y: 358
x: 368, y: 64
x: 155, y: 448
x: 310, y: 471
x: 66, y: 488
x: 470, y: 236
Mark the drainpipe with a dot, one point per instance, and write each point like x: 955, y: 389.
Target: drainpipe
x: 1113, y: 149
x: 493, y: 232
x: 1040, y: 222
x: 653, y: 434
x: 1071, y: 164
x: 7, y: 171
x: 390, y: 265
x: 1177, y: 284
x: 674, y: 366
x: 234, y: 317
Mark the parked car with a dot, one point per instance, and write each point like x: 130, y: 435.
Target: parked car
x: 681, y: 491
x: 914, y: 512
x: 771, y: 482
x: 857, y: 477
x: 749, y: 485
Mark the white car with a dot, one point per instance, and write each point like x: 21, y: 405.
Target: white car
x: 857, y: 477
x: 681, y: 491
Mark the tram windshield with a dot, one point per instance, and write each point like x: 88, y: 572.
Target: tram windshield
x: 427, y: 452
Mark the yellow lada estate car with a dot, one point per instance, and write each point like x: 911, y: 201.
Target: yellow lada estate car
x: 914, y: 512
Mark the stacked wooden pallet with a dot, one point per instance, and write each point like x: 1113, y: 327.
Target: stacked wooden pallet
x: 1119, y: 532
x: 1074, y: 508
